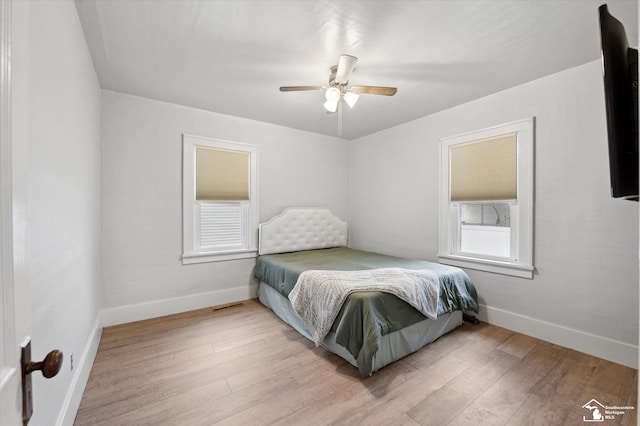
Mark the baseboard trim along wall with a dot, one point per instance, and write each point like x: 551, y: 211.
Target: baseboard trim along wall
x: 73, y: 398
x: 611, y: 350
x: 159, y: 308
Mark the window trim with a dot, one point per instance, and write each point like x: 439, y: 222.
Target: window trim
x: 523, y: 264
x: 7, y: 302
x: 190, y: 253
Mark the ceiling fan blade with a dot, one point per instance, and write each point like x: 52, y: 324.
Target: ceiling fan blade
x: 374, y: 90
x: 345, y: 67
x: 299, y: 88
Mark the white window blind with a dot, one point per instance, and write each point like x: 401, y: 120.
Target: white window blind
x: 485, y: 169
x: 222, y: 225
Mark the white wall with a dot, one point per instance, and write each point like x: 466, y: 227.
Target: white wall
x: 60, y: 169
x: 142, y: 200
x: 586, y: 244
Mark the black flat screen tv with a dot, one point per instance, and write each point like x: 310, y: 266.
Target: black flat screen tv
x: 620, y: 73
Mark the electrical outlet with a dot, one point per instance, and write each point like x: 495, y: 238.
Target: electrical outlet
x: 71, y: 358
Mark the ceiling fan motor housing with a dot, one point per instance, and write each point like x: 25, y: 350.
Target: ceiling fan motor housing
x: 332, y: 79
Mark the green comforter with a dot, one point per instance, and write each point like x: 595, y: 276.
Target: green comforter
x: 366, y: 317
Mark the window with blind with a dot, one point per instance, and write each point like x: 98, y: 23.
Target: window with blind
x: 219, y: 200
x: 487, y: 199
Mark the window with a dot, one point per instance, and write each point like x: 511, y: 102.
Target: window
x: 486, y: 199
x: 483, y: 229
x: 219, y: 200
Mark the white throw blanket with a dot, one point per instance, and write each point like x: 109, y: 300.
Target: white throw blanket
x: 318, y: 295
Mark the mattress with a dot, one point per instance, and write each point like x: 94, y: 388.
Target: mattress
x: 366, y: 318
x: 391, y: 347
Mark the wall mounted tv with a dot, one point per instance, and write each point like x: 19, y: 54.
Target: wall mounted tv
x: 620, y: 72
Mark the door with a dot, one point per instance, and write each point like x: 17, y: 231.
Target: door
x: 14, y: 296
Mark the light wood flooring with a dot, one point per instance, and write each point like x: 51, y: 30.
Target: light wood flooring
x: 242, y: 365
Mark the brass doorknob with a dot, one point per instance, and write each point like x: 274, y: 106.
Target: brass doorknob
x: 50, y: 365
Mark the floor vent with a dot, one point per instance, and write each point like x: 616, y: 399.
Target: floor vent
x: 219, y: 308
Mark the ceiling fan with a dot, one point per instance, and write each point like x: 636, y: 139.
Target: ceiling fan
x: 338, y: 81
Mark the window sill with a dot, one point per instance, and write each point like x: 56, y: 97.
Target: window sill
x: 190, y: 259
x: 494, y: 266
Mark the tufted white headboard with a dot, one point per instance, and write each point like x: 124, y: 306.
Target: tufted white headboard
x: 301, y: 228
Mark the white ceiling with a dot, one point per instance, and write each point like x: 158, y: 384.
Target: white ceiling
x: 231, y: 57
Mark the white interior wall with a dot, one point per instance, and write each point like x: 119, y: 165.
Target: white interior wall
x: 60, y: 169
x: 142, y: 200
x: 586, y: 243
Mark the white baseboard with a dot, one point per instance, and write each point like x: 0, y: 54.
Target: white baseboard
x: 79, y: 381
x: 159, y: 308
x: 602, y: 347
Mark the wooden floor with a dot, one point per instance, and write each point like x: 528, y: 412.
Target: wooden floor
x: 243, y: 366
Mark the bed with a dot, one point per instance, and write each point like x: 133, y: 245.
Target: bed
x: 372, y: 328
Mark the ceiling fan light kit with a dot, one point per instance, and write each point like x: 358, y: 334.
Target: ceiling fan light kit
x: 338, y: 81
x: 333, y: 97
x: 351, y: 98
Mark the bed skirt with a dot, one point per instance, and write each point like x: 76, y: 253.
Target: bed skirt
x: 393, y: 346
